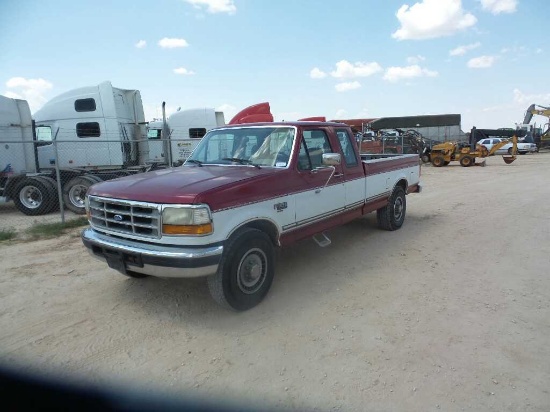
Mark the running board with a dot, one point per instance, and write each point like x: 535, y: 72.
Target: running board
x: 321, y: 239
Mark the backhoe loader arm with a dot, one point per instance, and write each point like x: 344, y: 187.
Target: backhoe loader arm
x: 513, y: 140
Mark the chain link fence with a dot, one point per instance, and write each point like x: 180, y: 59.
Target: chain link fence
x: 45, y: 181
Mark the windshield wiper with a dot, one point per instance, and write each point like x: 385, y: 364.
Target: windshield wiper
x: 241, y: 161
x: 197, y: 162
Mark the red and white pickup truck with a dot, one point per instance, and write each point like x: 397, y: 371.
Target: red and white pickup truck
x: 244, y: 191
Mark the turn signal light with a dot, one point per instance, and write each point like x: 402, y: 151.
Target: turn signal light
x: 187, y: 229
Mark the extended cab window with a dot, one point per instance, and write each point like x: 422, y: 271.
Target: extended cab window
x: 197, y: 133
x: 84, y: 105
x: 347, y: 147
x: 88, y: 129
x: 314, y: 144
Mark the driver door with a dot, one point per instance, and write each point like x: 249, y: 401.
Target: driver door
x: 322, y: 195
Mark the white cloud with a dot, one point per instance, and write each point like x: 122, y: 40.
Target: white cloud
x: 429, y: 19
x: 538, y: 51
x: 316, y: 73
x: 141, y: 44
x: 499, y: 6
x: 171, y: 43
x: 184, y: 71
x: 347, y: 86
x: 341, y: 114
x: 461, y: 50
x: 345, y: 69
x: 394, y: 74
x: 415, y: 59
x: 31, y: 90
x: 481, y: 62
x: 528, y: 99
x: 214, y: 6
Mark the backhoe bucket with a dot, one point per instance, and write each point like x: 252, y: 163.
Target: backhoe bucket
x: 508, y: 159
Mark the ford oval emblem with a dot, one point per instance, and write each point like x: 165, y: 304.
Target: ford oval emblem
x: 118, y: 218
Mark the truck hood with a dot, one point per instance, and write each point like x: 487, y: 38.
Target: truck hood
x: 186, y: 184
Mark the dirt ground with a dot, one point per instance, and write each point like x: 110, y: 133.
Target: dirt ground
x: 449, y: 313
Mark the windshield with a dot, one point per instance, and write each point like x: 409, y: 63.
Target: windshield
x: 259, y: 146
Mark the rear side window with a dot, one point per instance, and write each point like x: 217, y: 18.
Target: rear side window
x: 347, y: 147
x: 84, y: 105
x: 88, y: 129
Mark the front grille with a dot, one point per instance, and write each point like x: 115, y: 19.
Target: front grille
x: 124, y: 216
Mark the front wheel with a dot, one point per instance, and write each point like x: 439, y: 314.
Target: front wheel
x: 392, y: 216
x: 245, y: 272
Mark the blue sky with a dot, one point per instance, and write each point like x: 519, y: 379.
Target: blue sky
x: 485, y: 59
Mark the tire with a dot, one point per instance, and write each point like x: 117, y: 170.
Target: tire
x: 466, y: 161
x: 425, y: 158
x: 392, y: 216
x: 510, y: 151
x: 32, y: 196
x: 438, y: 161
x: 53, y: 197
x: 237, y: 285
x: 74, y: 192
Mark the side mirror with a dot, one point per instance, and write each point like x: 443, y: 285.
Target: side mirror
x: 332, y: 159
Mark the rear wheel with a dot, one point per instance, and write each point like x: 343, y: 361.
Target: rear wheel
x: 33, y: 196
x: 74, y: 192
x: 392, y: 216
x: 425, y: 158
x: 438, y: 161
x: 52, y: 195
x: 245, y: 272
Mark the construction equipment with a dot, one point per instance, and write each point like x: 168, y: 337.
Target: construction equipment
x: 542, y: 139
x: 466, y: 153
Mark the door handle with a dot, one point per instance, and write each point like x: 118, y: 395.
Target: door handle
x: 338, y: 175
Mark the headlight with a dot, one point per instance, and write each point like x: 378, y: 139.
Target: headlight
x: 186, y: 220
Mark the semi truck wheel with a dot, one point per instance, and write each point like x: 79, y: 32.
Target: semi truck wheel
x: 33, y: 197
x: 74, y: 192
x: 246, y: 271
x: 392, y: 216
x: 53, y: 197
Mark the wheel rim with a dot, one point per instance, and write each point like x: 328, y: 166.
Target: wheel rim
x: 30, y: 197
x: 77, y: 194
x: 252, y: 270
x: 398, y: 209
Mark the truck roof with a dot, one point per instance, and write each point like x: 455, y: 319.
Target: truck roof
x: 282, y: 124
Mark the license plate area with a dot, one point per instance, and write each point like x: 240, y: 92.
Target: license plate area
x: 119, y: 260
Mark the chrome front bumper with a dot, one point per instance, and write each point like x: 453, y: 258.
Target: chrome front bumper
x: 152, y: 259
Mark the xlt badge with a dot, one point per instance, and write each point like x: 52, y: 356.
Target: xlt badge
x: 280, y: 206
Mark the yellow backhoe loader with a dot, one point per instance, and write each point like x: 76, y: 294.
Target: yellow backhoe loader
x: 444, y: 153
